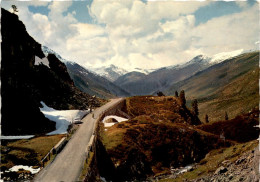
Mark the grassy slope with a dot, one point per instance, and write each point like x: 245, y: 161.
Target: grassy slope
x: 239, y: 96
x: 230, y: 86
x: 241, y: 128
x: 152, y: 132
x: 27, y: 152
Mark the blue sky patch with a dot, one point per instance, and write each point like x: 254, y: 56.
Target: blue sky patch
x: 82, y: 12
x: 214, y: 10
x: 39, y: 9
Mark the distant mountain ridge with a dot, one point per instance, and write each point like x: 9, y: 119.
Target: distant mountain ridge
x: 162, y: 78
x: 148, y: 82
x: 230, y: 86
x: 113, y: 72
x: 93, y: 84
x: 110, y: 72
x: 89, y: 81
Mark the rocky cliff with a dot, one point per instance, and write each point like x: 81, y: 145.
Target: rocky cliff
x: 28, y: 77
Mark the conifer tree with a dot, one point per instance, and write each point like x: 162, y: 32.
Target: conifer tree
x: 14, y: 9
x: 206, y: 118
x: 195, y: 107
x: 176, y: 94
x: 182, y: 98
x: 226, y: 116
x: 160, y: 94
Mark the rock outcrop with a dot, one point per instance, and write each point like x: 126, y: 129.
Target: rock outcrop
x: 245, y: 168
x: 24, y: 84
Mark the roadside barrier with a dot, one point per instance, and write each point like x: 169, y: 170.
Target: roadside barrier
x: 56, y: 149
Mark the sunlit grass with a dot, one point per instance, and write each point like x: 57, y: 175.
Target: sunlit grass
x: 28, y: 152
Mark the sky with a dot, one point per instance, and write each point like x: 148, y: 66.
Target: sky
x: 139, y: 33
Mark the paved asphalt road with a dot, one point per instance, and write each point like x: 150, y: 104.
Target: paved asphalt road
x: 68, y: 164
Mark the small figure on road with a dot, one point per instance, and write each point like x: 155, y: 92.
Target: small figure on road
x: 93, y: 116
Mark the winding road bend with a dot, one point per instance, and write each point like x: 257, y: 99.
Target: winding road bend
x: 68, y: 165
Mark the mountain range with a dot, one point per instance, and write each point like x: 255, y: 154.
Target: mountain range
x: 161, y: 79
x: 113, y: 72
x: 92, y: 83
x: 230, y: 86
x: 89, y: 81
x: 110, y: 81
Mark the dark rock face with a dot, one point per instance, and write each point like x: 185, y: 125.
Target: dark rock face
x: 105, y: 166
x: 24, y: 84
x: 20, y: 111
x: 136, y: 167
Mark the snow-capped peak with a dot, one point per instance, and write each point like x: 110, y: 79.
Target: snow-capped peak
x: 198, y: 59
x: 217, y: 58
x: 47, y: 51
x: 110, y: 72
x: 144, y: 71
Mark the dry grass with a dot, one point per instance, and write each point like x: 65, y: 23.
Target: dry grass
x: 28, y: 152
x: 112, y: 137
x: 159, y: 129
x: 240, y: 129
x: 153, y: 131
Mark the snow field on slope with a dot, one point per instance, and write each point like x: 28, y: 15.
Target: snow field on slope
x: 217, y: 58
x: 43, y: 61
x: 119, y: 119
x: 27, y: 168
x: 16, y: 137
x: 63, y: 118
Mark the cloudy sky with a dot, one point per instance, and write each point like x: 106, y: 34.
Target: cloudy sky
x: 142, y: 34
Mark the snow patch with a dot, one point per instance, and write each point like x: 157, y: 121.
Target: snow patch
x: 103, y: 179
x: 63, y: 118
x: 27, y: 168
x: 182, y: 169
x: 225, y: 55
x: 16, y: 137
x: 185, y: 169
x: 119, y: 119
x: 47, y: 51
x: 84, y: 72
x: 144, y: 71
x: 43, y: 61
x: 110, y: 72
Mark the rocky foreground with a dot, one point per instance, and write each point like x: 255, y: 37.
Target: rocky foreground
x: 245, y: 168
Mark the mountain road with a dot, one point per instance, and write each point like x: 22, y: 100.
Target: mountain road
x: 68, y: 164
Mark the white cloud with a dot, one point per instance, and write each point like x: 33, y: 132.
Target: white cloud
x: 136, y: 30
x: 134, y: 34
x: 227, y: 33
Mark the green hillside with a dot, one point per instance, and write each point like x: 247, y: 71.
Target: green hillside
x: 230, y: 86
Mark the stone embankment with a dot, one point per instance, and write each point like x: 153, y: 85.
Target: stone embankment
x: 91, y: 166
